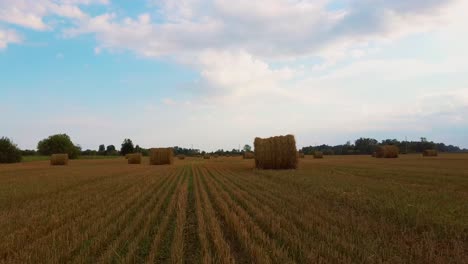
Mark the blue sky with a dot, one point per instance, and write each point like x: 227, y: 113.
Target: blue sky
x: 215, y: 74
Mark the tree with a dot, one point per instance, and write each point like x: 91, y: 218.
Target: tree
x: 247, y: 148
x: 9, y: 152
x: 60, y: 143
x: 102, y: 149
x: 137, y: 149
x: 127, y: 147
x: 365, y: 145
x: 111, y: 150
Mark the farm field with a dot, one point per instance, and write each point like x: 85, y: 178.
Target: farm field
x: 340, y: 209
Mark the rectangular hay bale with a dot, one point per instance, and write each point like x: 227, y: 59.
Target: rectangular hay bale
x: 276, y: 152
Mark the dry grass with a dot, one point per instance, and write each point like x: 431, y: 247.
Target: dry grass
x: 181, y: 156
x: 59, y: 159
x: 343, y: 209
x: 276, y: 152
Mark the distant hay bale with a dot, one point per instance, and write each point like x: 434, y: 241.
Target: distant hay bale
x: 59, y: 159
x: 318, y: 155
x: 134, y: 158
x: 249, y: 155
x: 207, y: 157
x: 276, y: 152
x: 181, y: 156
x: 161, y: 156
x: 301, y: 155
x: 430, y: 153
x: 387, y: 151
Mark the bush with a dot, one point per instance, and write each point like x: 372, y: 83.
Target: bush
x: 58, y: 144
x: 9, y: 152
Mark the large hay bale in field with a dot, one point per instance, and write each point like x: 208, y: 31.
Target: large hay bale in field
x: 430, y: 153
x: 276, y: 152
x: 161, y: 156
x: 249, y: 155
x: 318, y: 155
x: 59, y: 159
x: 181, y: 156
x: 387, y: 151
x: 301, y: 155
x: 134, y: 158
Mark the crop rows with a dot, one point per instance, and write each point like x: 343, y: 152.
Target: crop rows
x: 226, y: 212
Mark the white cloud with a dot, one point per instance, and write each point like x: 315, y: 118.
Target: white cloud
x: 31, y: 14
x: 8, y: 36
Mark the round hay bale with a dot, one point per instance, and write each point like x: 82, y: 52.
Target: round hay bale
x: 318, y: 155
x: 301, y: 155
x: 387, y: 151
x: 430, y: 153
x: 59, y: 159
x: 161, y: 156
x: 134, y: 158
x: 276, y: 153
x: 249, y: 155
x: 181, y: 156
x: 206, y: 157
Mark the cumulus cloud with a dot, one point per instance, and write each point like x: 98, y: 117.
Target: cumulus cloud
x: 31, y: 14
x: 8, y: 36
x: 267, y: 28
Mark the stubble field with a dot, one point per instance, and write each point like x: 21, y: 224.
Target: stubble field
x: 340, y: 209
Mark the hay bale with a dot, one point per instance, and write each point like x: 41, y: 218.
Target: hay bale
x: 387, y: 151
x: 318, y: 155
x: 127, y: 155
x: 181, y: 156
x: 276, y: 152
x: 249, y: 155
x: 59, y: 159
x: 134, y: 158
x: 161, y: 156
x: 207, y: 157
x: 430, y: 153
x: 301, y: 155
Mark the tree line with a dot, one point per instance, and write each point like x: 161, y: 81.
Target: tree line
x: 62, y: 143
x: 367, y: 146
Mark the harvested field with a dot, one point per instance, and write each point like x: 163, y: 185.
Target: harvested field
x: 340, y: 209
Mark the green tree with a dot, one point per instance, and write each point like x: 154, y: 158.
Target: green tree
x: 111, y: 150
x: 247, y: 148
x: 9, y: 152
x: 102, y: 149
x: 60, y: 143
x: 127, y: 147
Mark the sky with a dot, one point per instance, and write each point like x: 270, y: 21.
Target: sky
x: 216, y: 74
